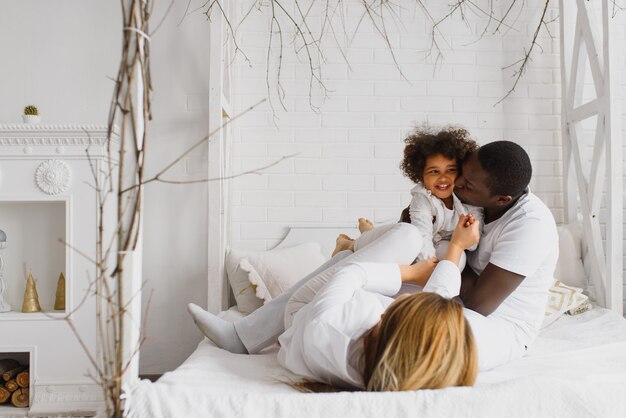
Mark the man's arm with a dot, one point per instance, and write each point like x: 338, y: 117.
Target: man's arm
x: 485, y: 293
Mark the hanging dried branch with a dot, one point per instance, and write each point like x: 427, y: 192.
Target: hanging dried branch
x: 522, y: 64
x: 377, y: 18
x: 307, y: 42
x: 207, y: 12
x: 462, y: 7
x: 380, y: 13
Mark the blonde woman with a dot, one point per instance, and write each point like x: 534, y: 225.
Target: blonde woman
x: 351, y: 334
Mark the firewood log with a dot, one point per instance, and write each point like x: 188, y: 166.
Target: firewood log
x: 20, y: 398
x: 12, y: 373
x: 23, y: 379
x: 11, y: 385
x: 4, y: 395
x: 7, y: 364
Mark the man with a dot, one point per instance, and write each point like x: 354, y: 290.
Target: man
x: 505, y: 282
x: 507, y: 278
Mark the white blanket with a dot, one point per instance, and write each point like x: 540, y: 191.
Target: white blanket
x: 577, y: 368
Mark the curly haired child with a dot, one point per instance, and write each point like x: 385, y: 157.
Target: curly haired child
x: 432, y: 159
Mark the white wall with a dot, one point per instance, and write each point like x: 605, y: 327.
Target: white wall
x: 59, y: 56
x: 175, y: 235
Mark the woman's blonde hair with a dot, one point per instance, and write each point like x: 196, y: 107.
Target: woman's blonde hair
x: 422, y: 342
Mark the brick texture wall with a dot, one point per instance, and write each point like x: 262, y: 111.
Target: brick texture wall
x: 348, y: 152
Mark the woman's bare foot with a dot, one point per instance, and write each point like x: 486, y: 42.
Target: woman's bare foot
x: 344, y: 242
x: 365, y: 225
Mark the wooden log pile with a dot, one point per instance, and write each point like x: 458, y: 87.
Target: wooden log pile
x: 14, y: 383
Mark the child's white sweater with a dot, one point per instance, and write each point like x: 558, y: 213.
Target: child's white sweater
x: 434, y: 220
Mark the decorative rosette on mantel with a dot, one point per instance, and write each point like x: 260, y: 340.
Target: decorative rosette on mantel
x: 53, y: 177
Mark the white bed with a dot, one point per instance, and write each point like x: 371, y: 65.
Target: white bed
x: 577, y: 368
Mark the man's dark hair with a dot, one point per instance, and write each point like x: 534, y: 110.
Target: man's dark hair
x: 508, y: 166
x: 424, y: 142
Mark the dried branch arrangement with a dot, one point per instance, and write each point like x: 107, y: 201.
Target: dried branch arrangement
x: 293, y: 24
x: 119, y: 184
x: 498, y: 24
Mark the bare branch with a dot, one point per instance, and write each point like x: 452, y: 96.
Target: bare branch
x: 233, y: 176
x: 81, y: 253
x: 526, y: 59
x: 190, y: 149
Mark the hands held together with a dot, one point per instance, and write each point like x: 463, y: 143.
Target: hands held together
x: 465, y: 235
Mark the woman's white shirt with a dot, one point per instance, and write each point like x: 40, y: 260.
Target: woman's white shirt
x: 323, y: 343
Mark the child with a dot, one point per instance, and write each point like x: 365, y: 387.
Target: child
x: 431, y: 159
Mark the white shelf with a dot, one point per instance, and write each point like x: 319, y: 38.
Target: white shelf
x: 34, y: 316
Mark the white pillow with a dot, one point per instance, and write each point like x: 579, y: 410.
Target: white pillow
x: 243, y: 290
x: 569, y: 268
x: 273, y: 272
x: 562, y: 299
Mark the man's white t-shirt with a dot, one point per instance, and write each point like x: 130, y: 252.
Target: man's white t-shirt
x: 523, y: 241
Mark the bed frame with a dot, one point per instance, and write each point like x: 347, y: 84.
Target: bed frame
x: 583, y: 180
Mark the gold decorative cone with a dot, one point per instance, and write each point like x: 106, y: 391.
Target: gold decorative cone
x: 59, y: 301
x: 31, y: 299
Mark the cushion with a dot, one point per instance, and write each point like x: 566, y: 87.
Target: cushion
x: 273, y: 272
x: 569, y: 268
x: 258, y: 277
x: 563, y: 299
x: 243, y: 290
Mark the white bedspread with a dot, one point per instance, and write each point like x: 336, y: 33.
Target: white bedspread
x: 577, y: 368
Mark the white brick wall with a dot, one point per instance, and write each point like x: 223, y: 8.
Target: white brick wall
x: 348, y: 165
x: 349, y: 151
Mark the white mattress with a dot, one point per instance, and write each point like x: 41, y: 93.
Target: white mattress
x: 577, y: 367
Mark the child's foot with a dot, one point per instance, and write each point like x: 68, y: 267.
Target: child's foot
x: 344, y: 242
x: 221, y: 332
x: 365, y: 225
